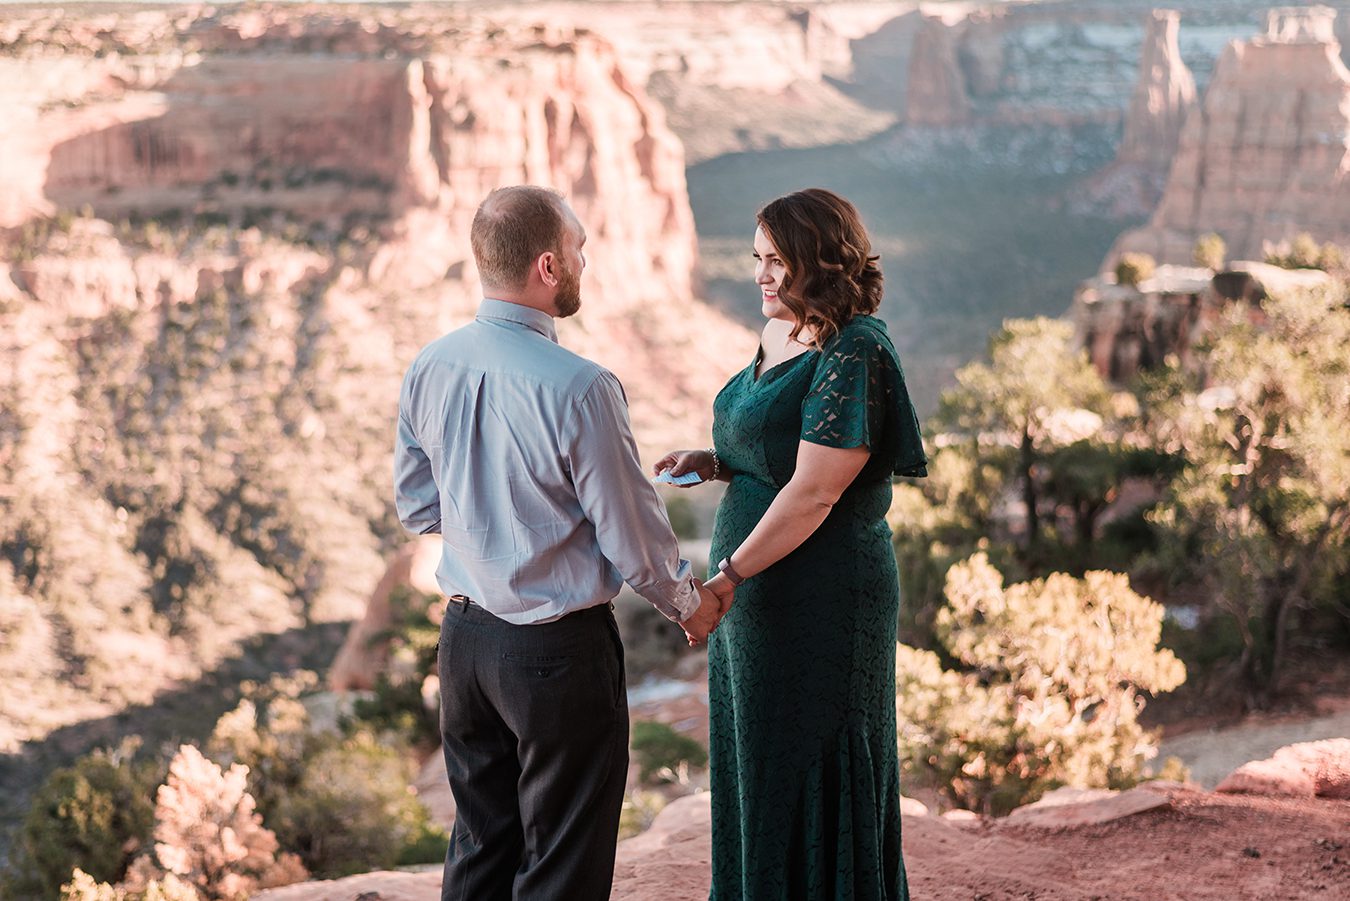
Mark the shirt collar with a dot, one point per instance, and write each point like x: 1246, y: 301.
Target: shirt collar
x: 532, y: 319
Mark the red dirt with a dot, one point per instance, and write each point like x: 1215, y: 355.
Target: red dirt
x: 1204, y: 846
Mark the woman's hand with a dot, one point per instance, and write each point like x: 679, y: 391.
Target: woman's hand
x: 686, y: 461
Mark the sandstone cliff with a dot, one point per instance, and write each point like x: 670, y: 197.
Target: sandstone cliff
x: 200, y: 366
x: 1264, y: 157
x: 1164, y: 95
x: 1127, y: 330
x: 936, y: 87
x: 738, y: 76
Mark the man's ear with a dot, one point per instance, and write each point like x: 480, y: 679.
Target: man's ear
x: 546, y: 267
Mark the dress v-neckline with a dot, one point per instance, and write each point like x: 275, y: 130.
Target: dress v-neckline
x: 756, y: 379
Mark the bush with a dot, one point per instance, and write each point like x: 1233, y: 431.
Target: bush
x: 1051, y: 696
x: 1210, y: 251
x: 397, y: 703
x: 663, y: 753
x: 680, y: 510
x: 95, y: 815
x: 208, y: 834
x: 1331, y: 257
x: 342, y: 804
x: 1134, y: 268
x: 83, y: 887
x: 1305, y: 253
x: 640, y: 808
x: 352, y: 811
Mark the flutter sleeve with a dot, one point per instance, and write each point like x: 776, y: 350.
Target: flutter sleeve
x: 858, y: 398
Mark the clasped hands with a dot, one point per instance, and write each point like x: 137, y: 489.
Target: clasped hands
x: 715, y: 596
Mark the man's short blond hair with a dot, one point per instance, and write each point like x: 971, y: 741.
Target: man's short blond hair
x: 512, y: 227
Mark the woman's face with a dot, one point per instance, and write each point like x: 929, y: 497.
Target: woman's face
x: 770, y: 270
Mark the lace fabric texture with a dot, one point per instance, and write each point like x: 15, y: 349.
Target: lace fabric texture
x: 805, y: 777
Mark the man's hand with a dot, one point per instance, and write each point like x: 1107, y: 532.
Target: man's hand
x: 715, y: 598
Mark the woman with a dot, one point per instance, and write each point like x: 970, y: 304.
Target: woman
x: 801, y: 671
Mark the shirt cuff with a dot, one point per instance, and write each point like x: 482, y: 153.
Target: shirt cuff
x: 686, y: 600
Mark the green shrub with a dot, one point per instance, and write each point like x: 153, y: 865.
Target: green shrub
x: 352, y: 810
x: 95, y: 815
x: 1305, y: 253
x: 1210, y: 251
x: 342, y: 803
x: 662, y: 752
x: 427, y: 842
x: 83, y: 887
x: 1052, y: 690
x: 683, y: 518
x: 1134, y: 268
x: 640, y: 808
x: 397, y: 703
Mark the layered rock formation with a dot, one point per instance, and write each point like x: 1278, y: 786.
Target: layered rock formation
x: 737, y: 76
x: 401, y: 131
x: 204, y: 360
x: 936, y: 93
x: 1129, y: 329
x: 1164, y: 95
x: 1265, y: 156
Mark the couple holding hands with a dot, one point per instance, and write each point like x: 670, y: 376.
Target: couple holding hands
x: 519, y: 454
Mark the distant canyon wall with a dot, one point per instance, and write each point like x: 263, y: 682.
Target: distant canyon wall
x: 226, y: 232
x: 396, y: 123
x: 1267, y: 153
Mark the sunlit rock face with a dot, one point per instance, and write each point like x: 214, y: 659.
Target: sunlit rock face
x: 738, y: 76
x: 1265, y: 155
x: 225, y: 235
x: 398, y: 125
x: 1164, y: 94
x: 1129, y: 329
x: 936, y: 93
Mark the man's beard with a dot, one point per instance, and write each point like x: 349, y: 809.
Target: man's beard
x: 568, y: 299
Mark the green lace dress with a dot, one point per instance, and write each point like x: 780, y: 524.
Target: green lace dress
x: 801, y: 672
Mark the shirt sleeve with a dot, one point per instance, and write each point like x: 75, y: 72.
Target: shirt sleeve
x: 630, y: 521
x: 416, y: 497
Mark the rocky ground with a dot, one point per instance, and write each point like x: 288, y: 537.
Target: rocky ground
x: 1191, y: 845
x: 1276, y: 828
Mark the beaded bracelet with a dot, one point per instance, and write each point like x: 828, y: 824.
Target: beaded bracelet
x: 717, y: 464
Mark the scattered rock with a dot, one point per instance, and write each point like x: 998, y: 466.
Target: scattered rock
x: 963, y: 818
x: 1087, y: 807
x: 382, y: 885
x: 910, y: 807
x: 1305, y: 770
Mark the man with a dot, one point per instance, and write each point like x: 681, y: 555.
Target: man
x: 519, y: 453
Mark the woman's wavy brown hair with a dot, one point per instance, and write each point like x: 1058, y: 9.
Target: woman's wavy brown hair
x: 832, y: 274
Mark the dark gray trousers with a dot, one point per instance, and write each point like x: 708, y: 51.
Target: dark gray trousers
x: 534, y: 727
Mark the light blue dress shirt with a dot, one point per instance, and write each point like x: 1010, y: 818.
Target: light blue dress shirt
x: 519, y: 453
